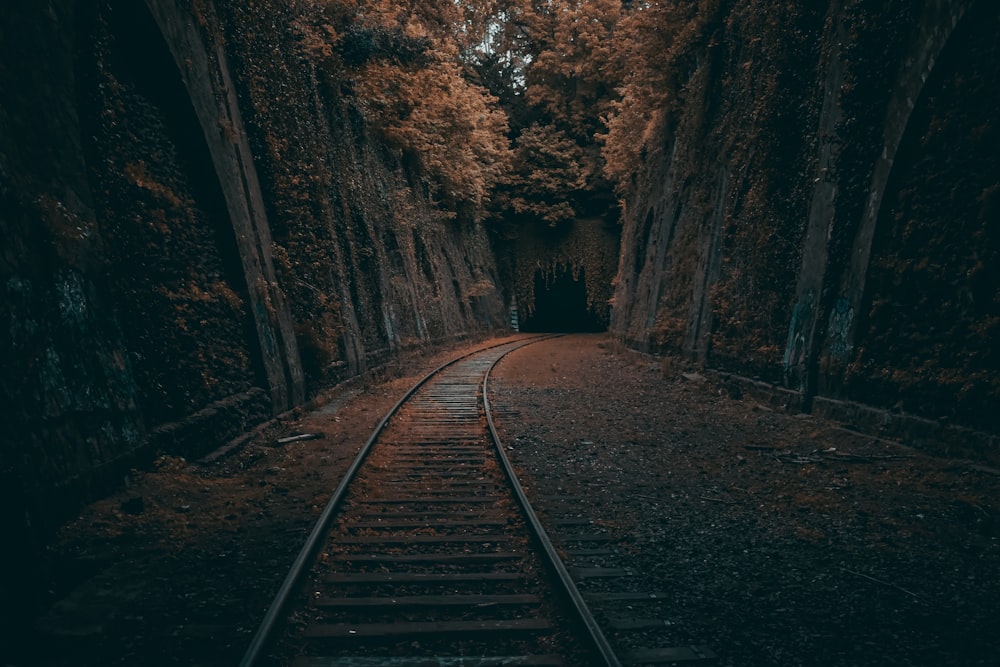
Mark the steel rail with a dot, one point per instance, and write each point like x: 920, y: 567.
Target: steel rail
x: 280, y: 601
x: 594, y: 633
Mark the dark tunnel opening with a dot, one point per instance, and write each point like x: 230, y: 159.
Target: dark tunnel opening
x: 561, y: 304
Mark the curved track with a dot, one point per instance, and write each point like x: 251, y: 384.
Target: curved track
x: 428, y: 553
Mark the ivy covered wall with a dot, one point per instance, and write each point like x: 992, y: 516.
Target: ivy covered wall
x: 200, y: 231
x: 815, y: 208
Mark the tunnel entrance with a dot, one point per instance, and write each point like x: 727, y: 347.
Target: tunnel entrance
x: 561, y: 304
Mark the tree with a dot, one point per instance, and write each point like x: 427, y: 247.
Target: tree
x: 552, y: 66
x: 660, y: 38
x: 451, y: 129
x: 494, y: 102
x: 549, y: 174
x: 401, y: 62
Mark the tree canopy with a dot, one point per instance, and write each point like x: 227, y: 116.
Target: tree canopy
x: 517, y: 110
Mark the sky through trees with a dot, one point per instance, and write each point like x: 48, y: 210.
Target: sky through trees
x: 528, y: 111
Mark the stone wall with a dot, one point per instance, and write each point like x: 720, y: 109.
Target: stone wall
x: 198, y: 233
x: 822, y: 215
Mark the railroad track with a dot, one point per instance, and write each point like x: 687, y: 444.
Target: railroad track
x: 638, y: 618
x: 428, y: 552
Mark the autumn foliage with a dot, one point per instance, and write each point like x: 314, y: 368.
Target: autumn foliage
x: 402, y: 64
x: 503, y: 107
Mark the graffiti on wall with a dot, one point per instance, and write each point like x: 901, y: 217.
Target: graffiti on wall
x: 796, y: 348
x: 839, y: 329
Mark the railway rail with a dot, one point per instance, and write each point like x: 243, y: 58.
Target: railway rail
x: 429, y: 552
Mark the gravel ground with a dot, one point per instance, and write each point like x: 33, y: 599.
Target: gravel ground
x: 776, y: 539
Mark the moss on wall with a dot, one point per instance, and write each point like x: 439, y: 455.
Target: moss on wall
x: 169, y: 253
x: 746, y: 237
x: 586, y: 246
x: 930, y: 329
x: 369, y: 264
x: 138, y: 314
x: 765, y: 134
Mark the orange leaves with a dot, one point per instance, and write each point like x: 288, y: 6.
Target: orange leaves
x: 573, y: 74
x: 451, y: 127
x: 400, y: 61
x: 662, y: 40
x: 420, y: 72
x: 317, y: 42
x: 550, y: 171
x: 137, y: 174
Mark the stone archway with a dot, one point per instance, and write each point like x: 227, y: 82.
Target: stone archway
x: 561, y: 303
x: 205, y: 74
x: 937, y: 28
x: 925, y: 332
x: 174, y: 272
x: 837, y: 244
